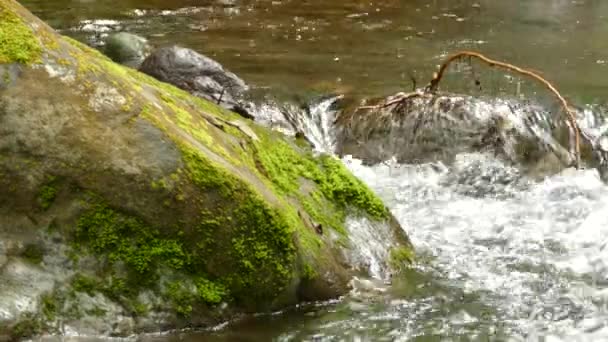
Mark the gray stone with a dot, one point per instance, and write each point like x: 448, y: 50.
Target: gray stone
x: 195, y: 73
x: 127, y: 49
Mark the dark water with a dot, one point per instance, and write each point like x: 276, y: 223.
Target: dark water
x: 524, y: 263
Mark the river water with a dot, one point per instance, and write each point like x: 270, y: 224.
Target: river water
x: 500, y: 256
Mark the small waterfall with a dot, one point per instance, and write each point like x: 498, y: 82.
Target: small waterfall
x: 317, y: 124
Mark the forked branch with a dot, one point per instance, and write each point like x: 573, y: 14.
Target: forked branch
x: 434, y: 84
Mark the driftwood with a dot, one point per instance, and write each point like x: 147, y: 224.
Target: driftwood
x: 431, y: 89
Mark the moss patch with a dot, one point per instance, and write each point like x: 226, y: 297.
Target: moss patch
x: 336, y: 189
x: 50, y: 306
x: 47, y: 195
x: 180, y: 297
x: 82, y: 283
x: 17, y: 41
x: 128, y: 240
x: 400, y: 257
x: 242, y: 251
x: 27, y: 326
x: 33, y: 253
x: 250, y: 241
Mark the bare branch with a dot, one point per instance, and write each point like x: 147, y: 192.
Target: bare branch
x: 434, y: 84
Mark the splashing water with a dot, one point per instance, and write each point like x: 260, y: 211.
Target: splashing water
x: 317, y: 124
x: 371, y: 242
x: 536, y: 250
x: 533, y: 252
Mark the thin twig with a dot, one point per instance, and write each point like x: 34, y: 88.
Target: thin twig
x: 413, y: 79
x: 400, y: 97
x: 434, y: 84
x: 219, y: 100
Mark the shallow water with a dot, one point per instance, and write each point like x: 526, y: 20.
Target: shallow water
x: 500, y: 256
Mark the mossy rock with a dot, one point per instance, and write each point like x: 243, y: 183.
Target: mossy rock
x: 156, y: 200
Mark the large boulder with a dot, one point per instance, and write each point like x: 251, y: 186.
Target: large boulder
x: 195, y: 73
x: 129, y: 205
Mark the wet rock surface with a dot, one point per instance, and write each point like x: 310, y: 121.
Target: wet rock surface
x: 197, y: 74
x: 436, y: 128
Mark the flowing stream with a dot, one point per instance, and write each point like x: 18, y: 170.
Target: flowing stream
x: 500, y: 256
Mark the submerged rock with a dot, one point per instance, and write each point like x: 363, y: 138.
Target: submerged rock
x: 128, y: 205
x: 432, y: 128
x: 127, y: 49
x: 197, y: 74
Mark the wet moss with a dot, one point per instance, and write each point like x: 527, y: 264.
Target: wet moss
x: 33, y: 253
x: 401, y: 257
x: 210, y: 292
x: 27, y: 326
x: 17, y: 41
x: 337, y: 189
x: 181, y: 298
x: 96, y: 312
x: 82, y: 283
x: 309, y: 273
x: 50, y: 306
x: 254, y: 246
x: 123, y: 291
x: 47, y: 195
x: 128, y: 240
x: 254, y: 238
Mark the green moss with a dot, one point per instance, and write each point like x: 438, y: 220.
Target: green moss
x: 251, y: 239
x: 49, y: 304
x: 82, y: 283
x: 33, y: 253
x: 125, y: 243
x: 210, y: 292
x: 27, y: 326
x: 140, y: 309
x: 17, y: 41
x: 323, y: 211
x: 160, y: 184
x: 287, y: 167
x: 309, y: 273
x: 341, y: 186
x: 121, y: 290
x: 6, y: 77
x: 46, y: 196
x: 128, y: 240
x: 96, y: 312
x: 181, y: 298
x: 400, y: 257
